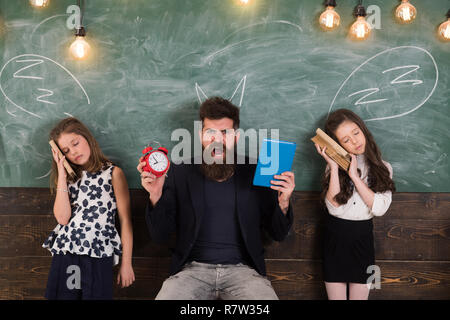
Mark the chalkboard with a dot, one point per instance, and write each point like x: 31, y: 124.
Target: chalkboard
x: 152, y: 62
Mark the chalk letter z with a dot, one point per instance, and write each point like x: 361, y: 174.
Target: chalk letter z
x: 37, y: 62
x: 371, y: 92
x: 49, y: 94
x: 414, y: 68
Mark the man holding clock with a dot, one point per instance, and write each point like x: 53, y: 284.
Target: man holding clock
x: 218, y: 216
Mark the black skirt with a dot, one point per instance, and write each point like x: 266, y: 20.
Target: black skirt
x: 80, y: 277
x: 348, y: 250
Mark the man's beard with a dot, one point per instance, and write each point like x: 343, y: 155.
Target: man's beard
x: 219, y: 171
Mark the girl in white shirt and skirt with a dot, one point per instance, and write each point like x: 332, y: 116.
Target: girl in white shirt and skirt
x: 352, y: 198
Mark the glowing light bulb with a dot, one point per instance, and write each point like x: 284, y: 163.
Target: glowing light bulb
x: 444, y: 31
x: 80, y: 48
x: 329, y: 19
x: 360, y: 29
x: 405, y: 12
x: 39, y: 3
x: 244, y: 2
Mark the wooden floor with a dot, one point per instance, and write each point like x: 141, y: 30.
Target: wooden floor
x: 412, y: 248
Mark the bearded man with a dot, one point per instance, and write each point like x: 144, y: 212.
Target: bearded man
x: 218, y: 216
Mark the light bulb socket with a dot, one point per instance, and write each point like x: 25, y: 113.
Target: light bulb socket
x: 81, y: 32
x: 330, y: 3
x: 448, y: 14
x: 360, y: 11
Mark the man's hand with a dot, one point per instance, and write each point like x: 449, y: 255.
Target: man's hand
x: 285, y: 185
x: 151, y: 183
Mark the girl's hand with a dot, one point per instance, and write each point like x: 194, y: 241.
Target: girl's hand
x: 60, y: 164
x: 126, y: 275
x: 333, y: 164
x: 285, y: 185
x: 353, y: 169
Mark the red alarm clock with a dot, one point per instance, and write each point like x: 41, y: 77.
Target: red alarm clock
x: 156, y: 161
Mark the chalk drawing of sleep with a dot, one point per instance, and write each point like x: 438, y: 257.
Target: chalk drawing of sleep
x: 390, y: 84
x: 37, y: 86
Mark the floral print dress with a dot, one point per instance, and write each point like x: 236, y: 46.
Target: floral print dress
x: 91, y: 229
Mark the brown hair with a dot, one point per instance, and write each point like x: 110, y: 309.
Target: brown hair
x: 378, y: 179
x: 96, y: 161
x: 217, y: 108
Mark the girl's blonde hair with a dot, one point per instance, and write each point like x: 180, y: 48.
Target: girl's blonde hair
x: 97, y: 159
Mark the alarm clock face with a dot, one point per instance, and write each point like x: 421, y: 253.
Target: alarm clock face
x: 158, y: 161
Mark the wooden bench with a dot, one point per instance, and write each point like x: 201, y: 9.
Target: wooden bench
x: 412, y: 247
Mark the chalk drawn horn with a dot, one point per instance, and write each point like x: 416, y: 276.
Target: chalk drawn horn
x: 200, y: 94
x: 240, y: 87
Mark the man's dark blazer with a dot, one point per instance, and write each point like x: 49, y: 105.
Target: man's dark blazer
x: 182, y: 204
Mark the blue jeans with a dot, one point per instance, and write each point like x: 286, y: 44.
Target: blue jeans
x: 203, y: 281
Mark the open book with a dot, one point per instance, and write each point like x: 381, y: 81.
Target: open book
x: 334, y: 150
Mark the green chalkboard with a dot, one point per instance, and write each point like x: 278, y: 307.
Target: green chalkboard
x: 152, y: 63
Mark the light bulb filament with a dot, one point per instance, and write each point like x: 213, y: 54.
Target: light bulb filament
x: 406, y: 14
x: 39, y: 3
x: 360, y: 31
x: 329, y: 20
x: 447, y: 32
x: 80, y: 48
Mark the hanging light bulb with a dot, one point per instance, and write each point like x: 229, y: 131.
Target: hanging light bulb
x: 444, y: 29
x: 39, y: 3
x: 405, y: 12
x: 80, y: 48
x: 329, y: 19
x: 360, y: 29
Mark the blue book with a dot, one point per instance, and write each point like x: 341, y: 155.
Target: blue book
x: 275, y: 157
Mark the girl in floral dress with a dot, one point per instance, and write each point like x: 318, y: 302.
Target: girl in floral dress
x: 86, y: 245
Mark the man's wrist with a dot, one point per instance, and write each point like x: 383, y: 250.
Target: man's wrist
x: 150, y: 199
x: 154, y: 199
x: 284, y: 206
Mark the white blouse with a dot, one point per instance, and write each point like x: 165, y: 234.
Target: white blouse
x: 356, y: 208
